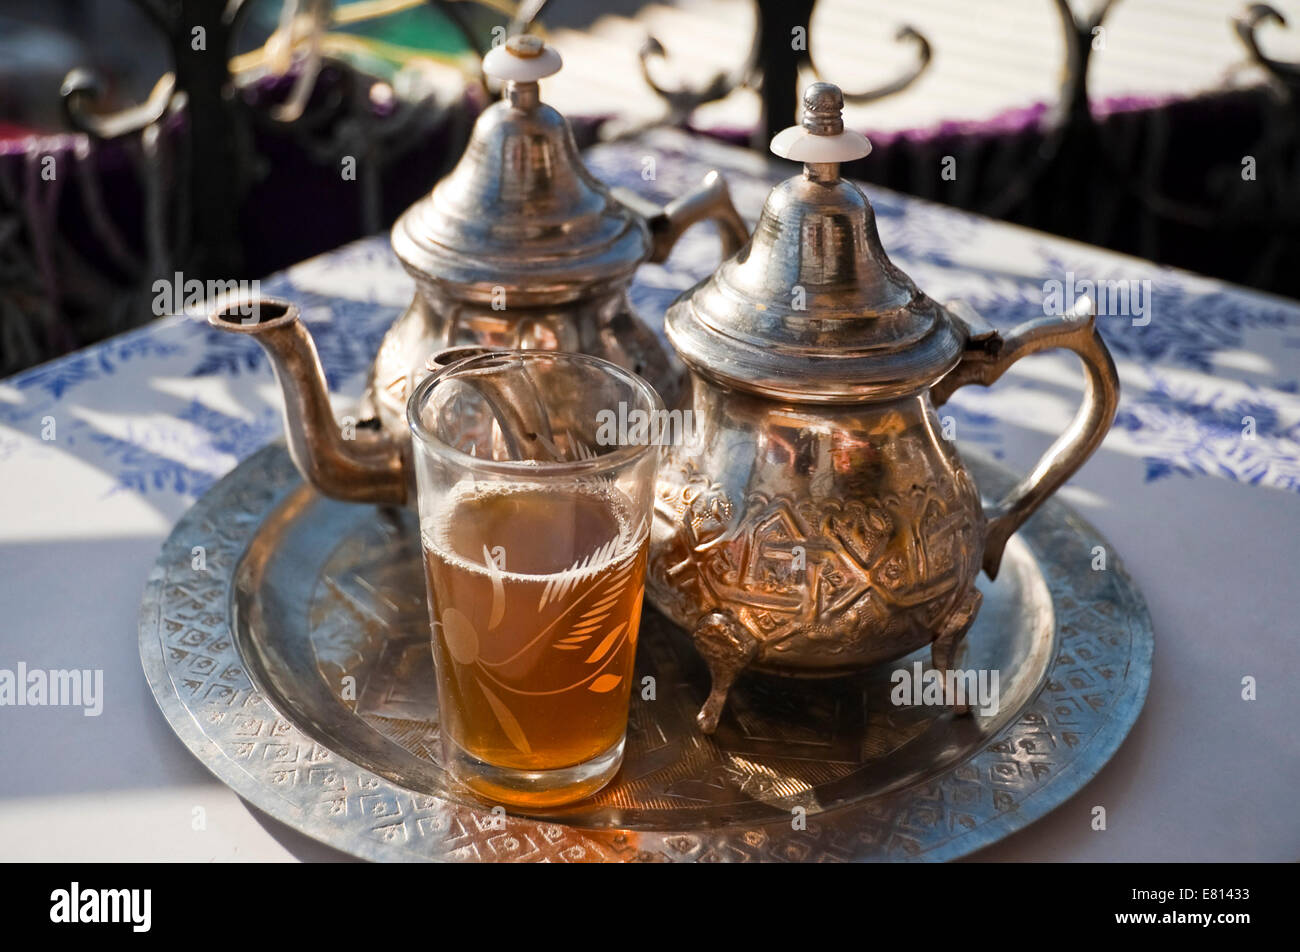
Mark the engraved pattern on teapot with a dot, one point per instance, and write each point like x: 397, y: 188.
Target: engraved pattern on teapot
x: 829, y: 582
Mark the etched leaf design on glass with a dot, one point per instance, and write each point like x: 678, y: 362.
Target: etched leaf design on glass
x: 590, y: 622
x: 577, y: 450
x: 509, y: 725
x: 580, y: 449
x: 459, y: 635
x: 561, y: 583
x: 605, y: 683
x: 498, y: 589
x: 603, y: 648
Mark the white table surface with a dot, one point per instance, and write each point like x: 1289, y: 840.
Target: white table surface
x: 1206, y: 521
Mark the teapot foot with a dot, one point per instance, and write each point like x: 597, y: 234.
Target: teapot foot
x: 943, y: 650
x: 727, y: 648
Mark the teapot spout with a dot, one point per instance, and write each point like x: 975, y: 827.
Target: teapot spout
x: 365, y: 466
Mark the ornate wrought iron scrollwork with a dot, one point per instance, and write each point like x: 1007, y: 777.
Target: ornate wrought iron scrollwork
x: 192, y: 136
x: 683, y: 100
x: 1070, y: 129
x: 217, y: 159
x: 82, y: 90
x: 772, y: 66
x: 214, y: 133
x: 906, y: 34
x: 1232, y: 200
x: 1246, y: 24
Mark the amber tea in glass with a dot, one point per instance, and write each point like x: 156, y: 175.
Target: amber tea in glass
x: 535, y: 540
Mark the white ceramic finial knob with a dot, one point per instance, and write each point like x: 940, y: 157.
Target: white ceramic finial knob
x: 822, y: 136
x: 522, y: 59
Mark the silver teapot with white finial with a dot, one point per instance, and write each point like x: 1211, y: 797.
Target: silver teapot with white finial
x: 818, y: 522
x: 519, y: 246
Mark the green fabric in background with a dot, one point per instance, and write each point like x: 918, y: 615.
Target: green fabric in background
x: 421, y: 29
x: 424, y: 27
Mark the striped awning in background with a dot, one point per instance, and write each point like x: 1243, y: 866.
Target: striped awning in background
x: 990, y: 56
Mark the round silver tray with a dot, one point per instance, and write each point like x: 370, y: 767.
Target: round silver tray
x: 250, y: 653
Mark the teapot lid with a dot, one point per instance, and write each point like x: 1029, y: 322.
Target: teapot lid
x: 812, y: 309
x: 520, y: 211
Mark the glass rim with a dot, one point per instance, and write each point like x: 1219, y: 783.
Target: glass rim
x: 535, y: 468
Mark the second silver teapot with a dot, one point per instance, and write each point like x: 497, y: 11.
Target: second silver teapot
x: 818, y: 522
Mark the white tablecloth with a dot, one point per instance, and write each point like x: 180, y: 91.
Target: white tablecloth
x: 1202, y: 505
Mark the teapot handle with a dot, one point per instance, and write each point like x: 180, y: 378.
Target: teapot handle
x: 709, y: 201
x: 988, y: 355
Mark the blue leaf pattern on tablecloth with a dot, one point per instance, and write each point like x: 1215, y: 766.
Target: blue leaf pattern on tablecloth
x: 57, y: 378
